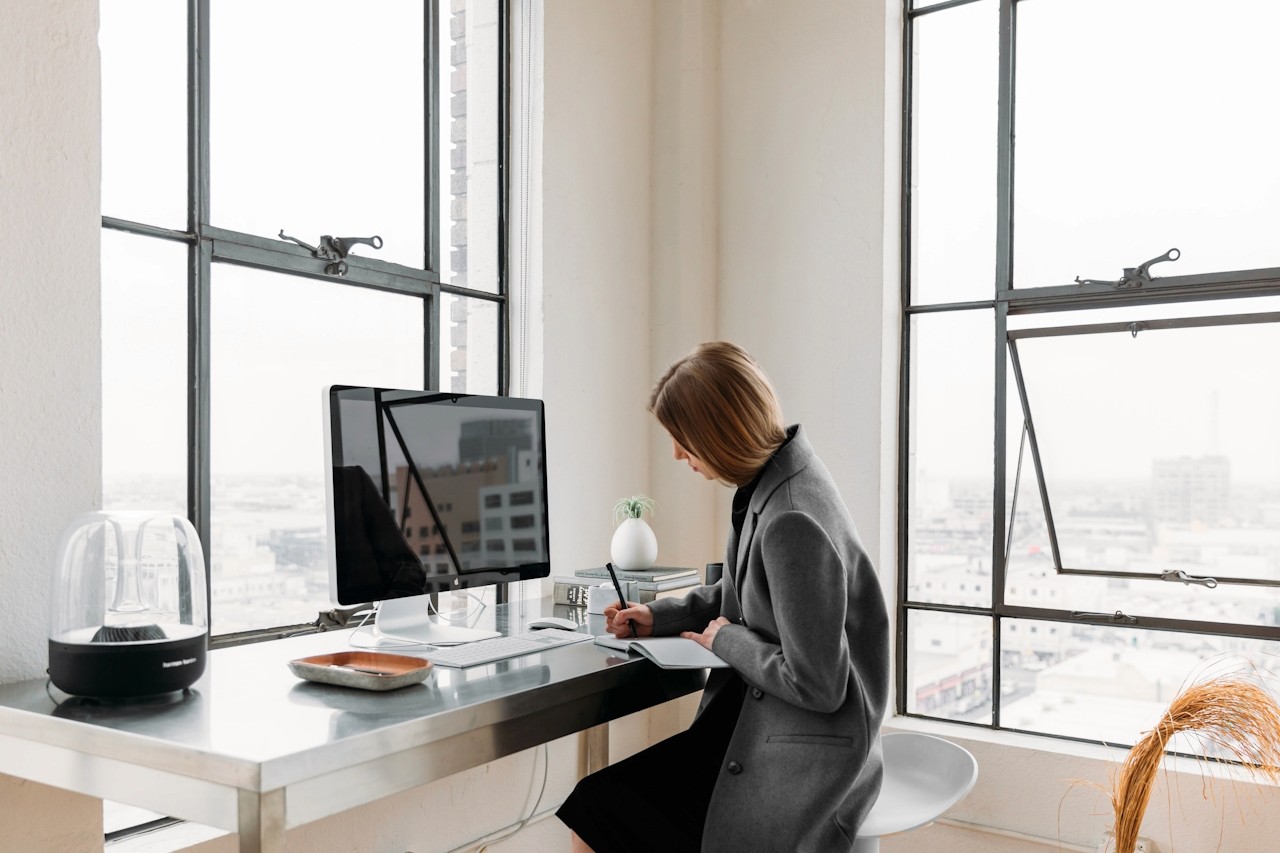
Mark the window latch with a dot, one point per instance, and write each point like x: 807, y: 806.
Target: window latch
x: 1135, y: 276
x: 334, y: 249
x: 1117, y: 618
x: 1179, y: 576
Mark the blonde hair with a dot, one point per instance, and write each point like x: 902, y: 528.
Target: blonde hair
x: 720, y: 407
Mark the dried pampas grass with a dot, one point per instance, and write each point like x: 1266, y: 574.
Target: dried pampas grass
x: 1237, y: 716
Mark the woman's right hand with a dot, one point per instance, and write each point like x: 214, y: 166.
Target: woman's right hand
x: 616, y: 619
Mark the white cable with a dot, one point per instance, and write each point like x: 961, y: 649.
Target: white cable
x: 465, y: 616
x: 546, y: 760
x: 396, y: 643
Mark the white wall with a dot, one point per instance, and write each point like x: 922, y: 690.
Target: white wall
x: 50, y: 365
x: 803, y: 261
x: 50, y: 397
x: 683, y: 289
x: 597, y: 102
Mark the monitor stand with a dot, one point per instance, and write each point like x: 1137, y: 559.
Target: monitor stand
x: 409, y: 620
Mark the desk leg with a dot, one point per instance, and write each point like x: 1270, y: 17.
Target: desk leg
x: 593, y: 749
x: 262, y: 821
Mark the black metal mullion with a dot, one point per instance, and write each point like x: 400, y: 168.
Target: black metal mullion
x: 1230, y: 284
x: 901, y: 646
x: 199, y: 272
x: 937, y: 7
x: 431, y: 315
x: 1003, y: 283
x: 279, y: 256
x: 138, y: 228
x: 1208, y: 321
x: 1104, y: 620
x: 1142, y: 623
x: 504, y: 307
x: 941, y: 307
x: 431, y: 59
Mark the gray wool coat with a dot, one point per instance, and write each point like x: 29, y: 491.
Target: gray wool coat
x: 810, y: 637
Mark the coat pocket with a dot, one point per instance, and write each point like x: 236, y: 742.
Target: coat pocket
x: 813, y: 740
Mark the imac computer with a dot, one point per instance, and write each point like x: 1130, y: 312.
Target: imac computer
x: 429, y: 492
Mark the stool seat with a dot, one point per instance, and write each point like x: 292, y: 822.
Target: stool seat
x: 923, y: 777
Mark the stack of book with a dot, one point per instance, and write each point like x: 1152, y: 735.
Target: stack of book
x: 640, y: 585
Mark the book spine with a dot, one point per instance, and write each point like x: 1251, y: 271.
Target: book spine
x: 647, y: 575
x: 570, y: 593
x: 573, y: 591
x: 644, y: 596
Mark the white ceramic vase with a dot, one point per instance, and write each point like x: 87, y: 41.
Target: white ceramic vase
x: 634, y: 546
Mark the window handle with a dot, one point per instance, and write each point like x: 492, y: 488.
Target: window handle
x: 1135, y: 276
x: 1117, y: 617
x: 334, y: 249
x: 1179, y: 576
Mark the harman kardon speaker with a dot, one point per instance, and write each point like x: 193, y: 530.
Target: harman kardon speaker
x: 129, y: 611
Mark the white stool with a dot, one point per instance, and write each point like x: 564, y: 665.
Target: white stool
x: 923, y: 777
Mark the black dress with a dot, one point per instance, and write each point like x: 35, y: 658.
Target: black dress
x: 663, y: 791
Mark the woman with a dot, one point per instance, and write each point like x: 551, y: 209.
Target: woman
x: 784, y: 753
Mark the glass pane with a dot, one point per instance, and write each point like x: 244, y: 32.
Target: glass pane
x: 469, y: 66
x: 277, y: 341
x: 949, y: 476
x: 949, y: 666
x: 144, y: 111
x: 1159, y: 454
x: 1110, y: 685
x: 302, y: 142
x: 1145, y: 149
x: 953, y: 170
x: 469, y: 345
x: 144, y: 373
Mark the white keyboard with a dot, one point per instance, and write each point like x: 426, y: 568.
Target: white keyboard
x: 502, y: 648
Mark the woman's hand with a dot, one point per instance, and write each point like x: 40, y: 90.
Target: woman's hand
x: 615, y: 620
x: 708, y: 635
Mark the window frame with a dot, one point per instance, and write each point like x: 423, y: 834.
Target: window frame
x: 208, y: 245
x: 1007, y: 301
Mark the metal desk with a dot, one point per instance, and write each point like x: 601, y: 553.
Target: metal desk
x: 254, y: 750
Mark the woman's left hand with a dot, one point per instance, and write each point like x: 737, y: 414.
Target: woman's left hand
x: 708, y: 635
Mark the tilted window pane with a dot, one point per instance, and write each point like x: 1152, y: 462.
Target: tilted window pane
x: 949, y: 477
x: 277, y: 342
x: 1124, y: 151
x: 144, y: 373
x: 1158, y: 454
x: 1110, y: 685
x: 317, y: 122
x: 468, y: 345
x: 953, y: 169
x: 144, y: 111
x: 949, y: 665
x: 469, y: 68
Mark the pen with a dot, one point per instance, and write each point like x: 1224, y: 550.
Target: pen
x: 622, y: 599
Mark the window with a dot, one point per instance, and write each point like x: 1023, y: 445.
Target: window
x: 521, y: 498
x: 522, y: 522
x: 1101, y: 307
x: 492, y: 501
x: 222, y: 315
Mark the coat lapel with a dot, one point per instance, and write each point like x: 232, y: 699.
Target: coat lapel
x: 743, y: 547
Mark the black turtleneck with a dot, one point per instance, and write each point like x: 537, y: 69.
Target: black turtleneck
x: 742, y: 497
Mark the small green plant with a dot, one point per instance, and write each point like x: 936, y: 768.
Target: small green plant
x: 633, y: 507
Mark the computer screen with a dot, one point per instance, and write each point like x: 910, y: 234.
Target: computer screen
x: 429, y: 492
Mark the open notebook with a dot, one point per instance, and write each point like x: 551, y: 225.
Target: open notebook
x: 666, y: 652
